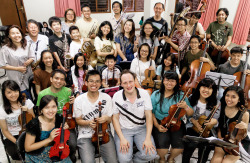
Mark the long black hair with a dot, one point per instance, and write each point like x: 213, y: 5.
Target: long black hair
x: 165, y: 56
x: 45, y: 100
x: 76, y: 67
x: 110, y: 35
x: 211, y: 100
x: 131, y: 33
x: 149, y: 50
x: 12, y: 85
x: 41, y: 63
x: 143, y: 34
x: 170, y: 74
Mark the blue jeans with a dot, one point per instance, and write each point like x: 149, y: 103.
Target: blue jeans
x: 87, y: 150
x: 136, y: 135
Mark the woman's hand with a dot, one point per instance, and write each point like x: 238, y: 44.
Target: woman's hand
x: 54, y: 134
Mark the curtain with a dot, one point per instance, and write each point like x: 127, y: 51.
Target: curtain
x: 62, y: 5
x: 210, y: 14
x: 241, y: 23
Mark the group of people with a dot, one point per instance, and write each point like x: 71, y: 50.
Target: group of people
x: 136, y: 115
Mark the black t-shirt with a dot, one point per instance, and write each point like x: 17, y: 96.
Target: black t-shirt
x: 56, y: 44
x: 158, y: 25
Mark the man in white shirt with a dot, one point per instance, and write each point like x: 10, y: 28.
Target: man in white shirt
x: 86, y: 111
x: 132, y: 120
x: 37, y: 42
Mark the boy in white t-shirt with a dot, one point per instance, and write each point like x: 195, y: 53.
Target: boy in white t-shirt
x: 77, y: 41
x: 86, y: 112
x: 133, y: 122
x: 111, y: 74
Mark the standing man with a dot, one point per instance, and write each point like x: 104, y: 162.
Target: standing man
x: 87, y: 26
x: 86, y: 112
x: 132, y: 120
x: 37, y: 42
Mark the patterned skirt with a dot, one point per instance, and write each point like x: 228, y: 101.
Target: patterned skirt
x: 43, y: 157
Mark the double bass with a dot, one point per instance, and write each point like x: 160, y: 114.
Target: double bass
x: 198, y: 71
x: 205, y: 129
x: 243, y: 79
x: 173, y: 120
x: 60, y: 149
x: 24, y: 117
x: 235, y: 135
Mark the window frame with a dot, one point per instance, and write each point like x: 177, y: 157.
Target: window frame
x: 96, y: 4
x: 134, y: 6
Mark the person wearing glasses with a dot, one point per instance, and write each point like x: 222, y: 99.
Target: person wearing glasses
x: 86, y: 113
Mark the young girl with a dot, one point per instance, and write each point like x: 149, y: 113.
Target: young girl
x: 147, y: 36
x: 9, y: 112
x: 203, y: 101
x: 162, y: 99
x: 232, y: 104
x: 42, y: 130
x: 125, y: 42
x: 15, y: 58
x: 42, y: 75
x: 138, y: 66
x: 103, y: 40
x: 70, y: 19
x: 167, y: 63
x: 79, y: 70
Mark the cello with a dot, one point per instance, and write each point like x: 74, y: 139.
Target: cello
x: 205, y: 129
x: 148, y: 83
x: 101, y: 135
x: 198, y: 71
x: 172, y: 121
x: 220, y: 57
x: 235, y: 135
x: 24, y: 117
x: 112, y: 81
x: 60, y: 149
x: 243, y: 79
x: 69, y: 112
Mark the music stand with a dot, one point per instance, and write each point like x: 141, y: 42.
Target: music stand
x: 125, y: 65
x: 220, y: 79
x: 208, y: 141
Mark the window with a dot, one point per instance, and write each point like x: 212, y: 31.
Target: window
x: 134, y: 5
x: 97, y: 6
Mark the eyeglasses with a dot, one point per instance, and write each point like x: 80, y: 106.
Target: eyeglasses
x: 70, y: 14
x: 169, y: 80
x: 194, y: 42
x: 94, y: 81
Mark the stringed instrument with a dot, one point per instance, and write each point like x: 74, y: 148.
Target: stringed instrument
x: 198, y: 71
x: 243, y: 80
x: 175, y: 113
x: 69, y: 112
x: 148, y: 83
x: 60, y: 150
x: 101, y: 135
x: 84, y: 86
x: 24, y: 117
x: 112, y: 81
x: 205, y: 129
x: 220, y: 57
x: 235, y: 135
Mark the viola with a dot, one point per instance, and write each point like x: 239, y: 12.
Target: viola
x: 84, y: 86
x: 175, y: 113
x: 205, y: 129
x: 243, y: 79
x: 60, y: 150
x: 69, y: 112
x: 148, y: 83
x: 220, y: 57
x: 235, y: 135
x: 25, y: 116
x: 101, y: 135
x: 198, y: 71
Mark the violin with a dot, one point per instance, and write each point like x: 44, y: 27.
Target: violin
x: 243, y: 79
x: 175, y: 113
x: 112, y: 81
x: 205, y: 129
x: 220, y: 57
x: 69, y: 112
x: 198, y: 71
x: 84, y: 86
x: 235, y: 135
x: 101, y: 135
x: 25, y: 116
x: 60, y: 149
x: 148, y: 83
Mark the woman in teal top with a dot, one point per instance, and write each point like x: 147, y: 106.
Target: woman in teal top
x: 162, y: 99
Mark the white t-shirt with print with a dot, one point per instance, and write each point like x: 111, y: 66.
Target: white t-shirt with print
x: 86, y: 110
x: 133, y: 114
x: 12, y: 119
